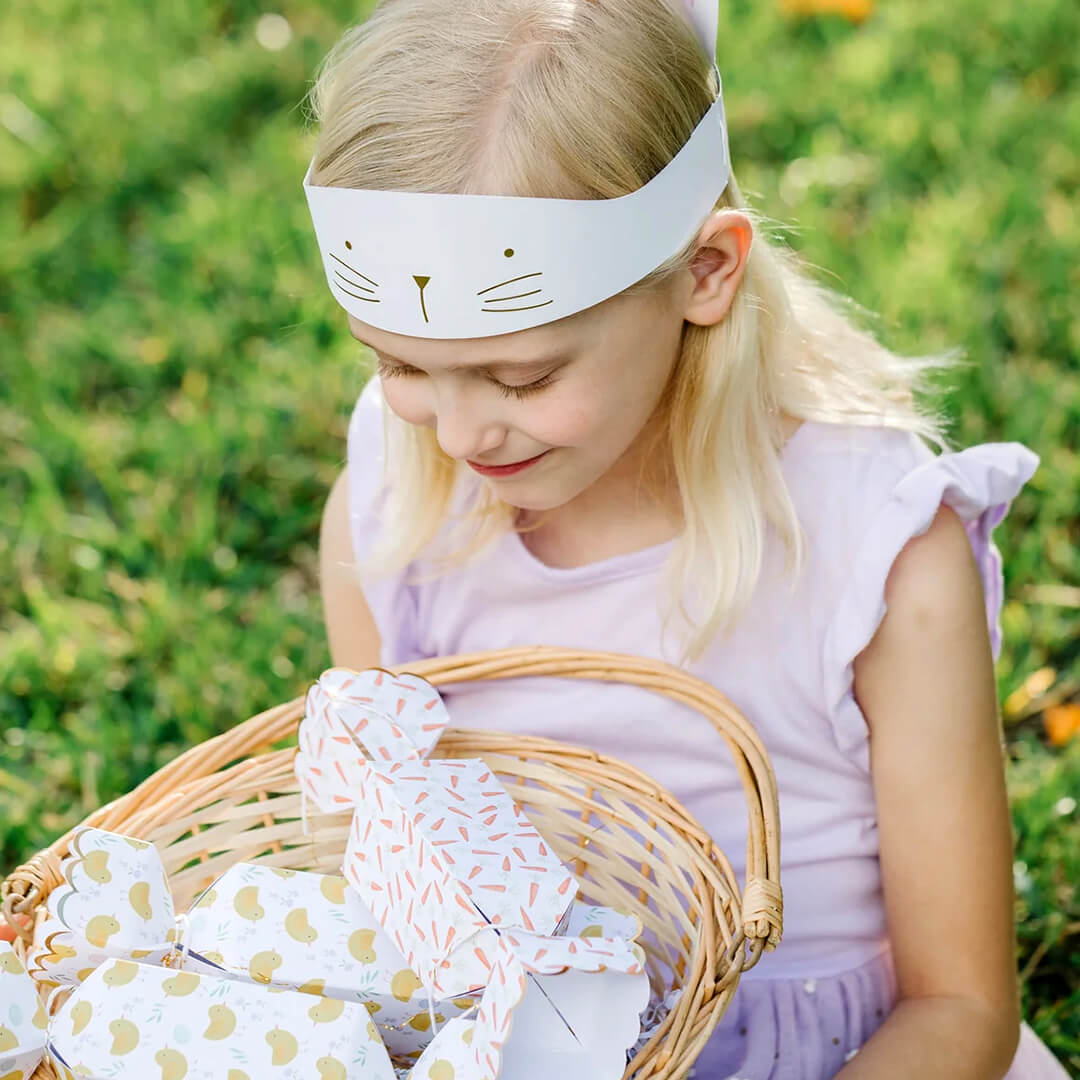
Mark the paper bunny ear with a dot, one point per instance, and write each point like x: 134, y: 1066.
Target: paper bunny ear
x: 351, y: 717
x: 705, y: 15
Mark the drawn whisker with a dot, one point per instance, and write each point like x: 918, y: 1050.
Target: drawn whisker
x: 369, y: 299
x: 500, y: 299
x: 355, y: 271
x: 492, y: 288
x: 531, y: 307
x: 354, y: 284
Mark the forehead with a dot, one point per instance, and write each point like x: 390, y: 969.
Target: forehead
x: 522, y: 347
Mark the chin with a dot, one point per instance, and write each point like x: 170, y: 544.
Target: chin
x: 539, y: 501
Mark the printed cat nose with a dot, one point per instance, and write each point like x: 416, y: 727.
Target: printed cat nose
x: 421, y: 280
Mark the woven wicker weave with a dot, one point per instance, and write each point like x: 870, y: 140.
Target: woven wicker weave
x: 630, y: 842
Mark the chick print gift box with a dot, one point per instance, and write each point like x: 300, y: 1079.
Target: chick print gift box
x: 130, y: 1021
x: 312, y: 933
x: 294, y: 930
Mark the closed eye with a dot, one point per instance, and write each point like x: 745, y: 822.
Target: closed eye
x: 388, y: 370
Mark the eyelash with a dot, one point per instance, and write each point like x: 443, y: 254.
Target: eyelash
x: 389, y: 371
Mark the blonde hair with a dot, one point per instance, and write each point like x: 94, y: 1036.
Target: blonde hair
x: 589, y: 99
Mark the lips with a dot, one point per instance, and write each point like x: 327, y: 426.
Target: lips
x: 506, y: 470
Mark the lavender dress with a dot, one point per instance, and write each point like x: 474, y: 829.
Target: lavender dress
x: 861, y: 494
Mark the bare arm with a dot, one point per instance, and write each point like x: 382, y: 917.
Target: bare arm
x: 926, y: 686
x: 350, y: 628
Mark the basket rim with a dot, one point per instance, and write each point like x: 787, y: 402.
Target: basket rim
x: 757, y: 912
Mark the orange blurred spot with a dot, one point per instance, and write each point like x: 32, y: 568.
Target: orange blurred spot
x: 855, y: 10
x: 1062, y: 723
x: 6, y: 931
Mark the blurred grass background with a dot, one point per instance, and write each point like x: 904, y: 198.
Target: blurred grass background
x: 175, y: 379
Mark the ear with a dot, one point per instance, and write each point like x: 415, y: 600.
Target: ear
x: 717, y: 270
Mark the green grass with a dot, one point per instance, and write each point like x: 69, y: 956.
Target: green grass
x: 175, y: 379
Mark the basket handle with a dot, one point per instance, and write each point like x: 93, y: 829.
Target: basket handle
x: 762, y: 904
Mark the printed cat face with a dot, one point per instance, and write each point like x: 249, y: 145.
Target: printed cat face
x: 509, y: 296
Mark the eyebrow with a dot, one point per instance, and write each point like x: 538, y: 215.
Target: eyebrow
x: 536, y: 362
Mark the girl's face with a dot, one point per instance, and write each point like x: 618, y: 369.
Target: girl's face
x: 567, y: 403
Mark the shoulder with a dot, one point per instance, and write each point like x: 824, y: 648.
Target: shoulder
x: 839, y: 453
x: 934, y: 602
x: 841, y: 476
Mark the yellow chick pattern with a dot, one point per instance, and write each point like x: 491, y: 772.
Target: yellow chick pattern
x: 313, y: 986
x: 283, y: 1045
x: 181, y: 984
x: 441, y: 1070
x: 206, y: 900
x: 360, y: 942
x: 7, y: 1039
x: 96, y: 866
x: 326, y: 1010
x: 56, y: 953
x: 125, y: 1037
x: 332, y: 887
x: 173, y: 1064
x: 222, y: 1022
x: 81, y: 1015
x: 121, y: 973
x: 298, y: 927
x: 422, y: 1021
x: 246, y: 903
x: 10, y: 963
x: 100, y: 928
x: 263, y: 965
x: 139, y: 898
x: 404, y: 984
x: 330, y: 1068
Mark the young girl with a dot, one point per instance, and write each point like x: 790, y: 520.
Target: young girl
x: 710, y: 466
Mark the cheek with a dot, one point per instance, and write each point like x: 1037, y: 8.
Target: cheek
x: 408, y: 400
x: 568, y: 420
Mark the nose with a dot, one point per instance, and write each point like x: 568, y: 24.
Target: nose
x: 463, y: 433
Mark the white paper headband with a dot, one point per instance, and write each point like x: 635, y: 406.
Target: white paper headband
x: 471, y: 266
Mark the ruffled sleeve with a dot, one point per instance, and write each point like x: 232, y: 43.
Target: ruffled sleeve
x: 393, y: 601
x: 979, y: 484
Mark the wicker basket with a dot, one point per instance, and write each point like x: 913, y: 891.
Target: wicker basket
x: 630, y: 842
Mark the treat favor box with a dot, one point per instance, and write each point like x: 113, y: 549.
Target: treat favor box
x: 131, y: 1021
x: 442, y: 855
x: 312, y: 933
x: 23, y: 1023
x: 115, y: 902
x: 554, y: 1007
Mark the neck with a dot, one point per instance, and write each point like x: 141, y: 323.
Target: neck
x: 634, y: 505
